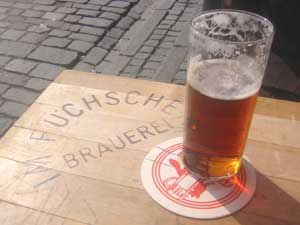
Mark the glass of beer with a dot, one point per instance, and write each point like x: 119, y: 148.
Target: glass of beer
x: 228, y: 54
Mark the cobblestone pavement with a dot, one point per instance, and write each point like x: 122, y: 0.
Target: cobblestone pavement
x: 143, y: 39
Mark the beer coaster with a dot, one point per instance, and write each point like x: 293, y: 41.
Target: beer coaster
x: 170, y: 184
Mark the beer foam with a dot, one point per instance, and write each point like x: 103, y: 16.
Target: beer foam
x: 223, y: 78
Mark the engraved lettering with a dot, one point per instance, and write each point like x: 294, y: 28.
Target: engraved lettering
x: 131, y: 102
x: 121, y: 143
x: 89, y: 102
x: 63, y: 121
x: 86, y: 152
x: 144, y: 130
x: 110, y: 95
x: 66, y: 109
x: 152, y: 98
x: 131, y: 137
x: 70, y: 160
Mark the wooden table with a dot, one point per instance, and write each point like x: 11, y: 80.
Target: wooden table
x: 74, y: 157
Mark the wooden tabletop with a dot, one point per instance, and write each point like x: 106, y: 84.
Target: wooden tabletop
x: 74, y: 157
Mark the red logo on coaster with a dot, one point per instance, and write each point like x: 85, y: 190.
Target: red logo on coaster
x: 171, y: 185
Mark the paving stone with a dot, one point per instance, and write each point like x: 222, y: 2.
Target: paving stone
x: 2, y: 30
x: 139, y: 8
x: 173, y: 33
x: 5, y: 4
x: 56, y: 42
x: 133, y: 70
x: 179, y: 26
x: 84, y: 37
x: 32, y: 13
x: 152, y: 43
x: 168, y: 22
x: 156, y: 58
x: 66, y: 10
x: 166, y: 44
x: 171, y: 17
x: 4, y: 60
x: 115, y: 33
x: 74, y: 28
x: 46, y: 71
x: 14, y: 48
x: 146, y: 49
x: 99, y: 2
x: 22, y: 6
x: 175, y: 12
x: 35, y: 21
x: 59, y: 33
x: 54, y: 55
x: 39, y: 28
x: 95, y: 56
x: 12, y: 109
x: 120, y: 11
x: 107, y: 43
x: 156, y: 37
x: 16, y: 12
x: 12, y: 34
x: 3, y: 88
x: 112, y: 55
x: 87, y: 6
x: 114, y: 67
x: 5, y: 124
x: 72, y: 18
x: 134, y: 15
x: 166, y: 4
x: 12, y: 19
x: 86, y: 12
x: 92, y: 30
x: 147, y: 73
x: 13, y: 78
x: 54, y: 23
x: 37, y: 84
x: 80, y: 46
x: 46, y: 8
x: 179, y: 82
x: 119, y: 4
x: 45, y: 2
x: 96, y: 22
x: 137, y: 62
x: 125, y: 23
x: 164, y: 27
x: 160, y: 51
x: 79, y: 1
x: 53, y: 16
x: 85, y: 67
x: 142, y: 55
x: 151, y: 65
x: 33, y: 38
x: 170, y: 38
x: 20, y: 66
x: 20, y: 95
x: 19, y: 26
x: 4, y: 24
x: 110, y: 16
x: 171, y: 64
x: 180, y: 75
x: 3, y: 10
x: 160, y: 32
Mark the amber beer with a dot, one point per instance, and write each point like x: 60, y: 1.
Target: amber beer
x: 220, y: 100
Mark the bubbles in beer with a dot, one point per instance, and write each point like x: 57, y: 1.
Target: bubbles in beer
x: 223, y: 78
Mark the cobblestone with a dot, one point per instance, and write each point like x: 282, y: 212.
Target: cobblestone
x: 33, y: 38
x: 81, y: 66
x: 110, y: 16
x: 96, y: 22
x: 120, y: 11
x: 46, y: 8
x: 87, y: 6
x: 95, y: 56
x: 12, y: 34
x: 133, y: 70
x: 37, y: 84
x: 59, y: 33
x: 84, y: 37
x: 4, y: 60
x: 15, y: 48
x: 53, y: 16
x: 12, y: 109
x: 39, y: 28
x: 13, y: 78
x: 80, y: 46
x: 92, y: 30
x: 86, y: 12
x: 107, y: 43
x: 46, y: 71
x: 115, y: 33
x: 72, y: 18
x: 20, y: 66
x: 147, y: 49
x: 125, y: 23
x: 119, y: 4
x: 20, y: 95
x: 3, y: 88
x: 5, y: 123
x: 56, y: 42
x: 32, y: 13
x: 54, y: 55
x: 45, y: 2
x: 99, y: 2
x: 66, y: 10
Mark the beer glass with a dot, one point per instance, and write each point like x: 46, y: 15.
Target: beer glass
x: 228, y: 54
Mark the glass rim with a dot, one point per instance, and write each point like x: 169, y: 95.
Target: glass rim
x: 261, y: 18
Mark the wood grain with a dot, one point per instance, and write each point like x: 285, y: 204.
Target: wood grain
x: 85, y: 168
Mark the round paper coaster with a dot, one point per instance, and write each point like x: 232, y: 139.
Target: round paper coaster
x: 172, y: 186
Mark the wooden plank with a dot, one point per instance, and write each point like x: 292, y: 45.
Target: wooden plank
x: 11, y: 214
